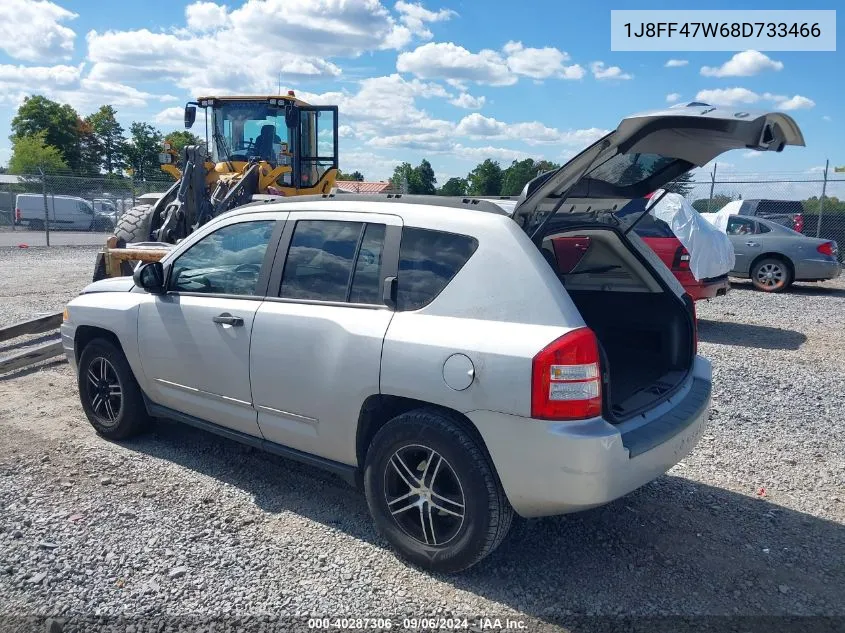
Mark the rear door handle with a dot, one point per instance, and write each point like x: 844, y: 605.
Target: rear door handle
x: 228, y: 319
x: 752, y: 244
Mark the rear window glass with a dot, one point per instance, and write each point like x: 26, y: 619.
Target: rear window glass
x: 624, y: 170
x: 428, y: 261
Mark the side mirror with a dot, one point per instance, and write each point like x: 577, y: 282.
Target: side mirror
x: 292, y: 116
x: 190, y: 116
x: 150, y: 277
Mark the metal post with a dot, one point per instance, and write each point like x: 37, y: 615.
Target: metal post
x: 46, y: 211
x: 712, y: 185
x: 821, y: 202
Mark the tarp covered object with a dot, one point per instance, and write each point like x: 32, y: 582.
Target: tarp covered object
x: 711, y: 252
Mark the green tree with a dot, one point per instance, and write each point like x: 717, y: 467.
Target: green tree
x: 703, y: 205
x: 546, y: 165
x: 109, y: 135
x: 181, y: 139
x: 485, y: 179
x: 425, y: 178
x: 453, y: 187
x: 58, y: 121
x: 683, y: 184
x: 31, y: 153
x: 143, y: 151
x: 90, y: 149
x: 405, y: 179
x: 515, y: 177
x: 356, y: 176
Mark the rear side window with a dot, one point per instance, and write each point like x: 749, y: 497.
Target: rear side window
x: 323, y: 256
x: 428, y: 261
x: 740, y: 226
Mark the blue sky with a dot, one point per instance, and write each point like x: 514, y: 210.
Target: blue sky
x: 452, y: 82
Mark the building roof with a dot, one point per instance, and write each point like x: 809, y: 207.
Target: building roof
x: 355, y: 186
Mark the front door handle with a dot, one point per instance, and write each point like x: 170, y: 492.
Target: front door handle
x: 228, y: 319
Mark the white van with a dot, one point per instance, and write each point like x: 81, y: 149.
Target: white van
x: 64, y: 212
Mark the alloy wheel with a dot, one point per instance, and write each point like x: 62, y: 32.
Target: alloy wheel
x: 770, y: 275
x: 104, y: 390
x: 424, y: 495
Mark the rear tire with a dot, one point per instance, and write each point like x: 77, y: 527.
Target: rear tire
x: 771, y: 274
x: 36, y: 225
x: 433, y: 493
x: 109, y: 393
x: 136, y: 224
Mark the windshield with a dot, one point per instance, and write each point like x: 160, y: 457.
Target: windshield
x: 249, y: 129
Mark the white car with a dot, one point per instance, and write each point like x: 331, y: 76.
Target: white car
x: 424, y: 348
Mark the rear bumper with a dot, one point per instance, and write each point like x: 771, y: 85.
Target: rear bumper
x: 549, y: 468
x: 816, y: 269
x: 707, y: 288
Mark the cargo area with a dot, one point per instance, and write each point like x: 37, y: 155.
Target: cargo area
x: 645, y: 331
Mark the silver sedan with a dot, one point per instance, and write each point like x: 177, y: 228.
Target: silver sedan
x: 773, y: 256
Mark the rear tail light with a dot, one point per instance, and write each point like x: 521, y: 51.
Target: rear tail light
x: 566, y: 378
x: 828, y: 248
x: 681, y: 259
x: 694, y: 329
x: 798, y: 223
x: 18, y: 215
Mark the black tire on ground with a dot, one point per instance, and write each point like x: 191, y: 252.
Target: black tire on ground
x: 36, y: 225
x: 771, y: 274
x: 110, y: 395
x: 462, y: 504
x: 135, y: 224
x: 102, y: 225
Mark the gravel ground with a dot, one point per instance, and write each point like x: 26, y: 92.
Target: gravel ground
x: 181, y: 523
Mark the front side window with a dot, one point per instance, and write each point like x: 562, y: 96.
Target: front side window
x: 428, y: 260
x: 227, y: 261
x: 335, y: 261
x: 247, y: 130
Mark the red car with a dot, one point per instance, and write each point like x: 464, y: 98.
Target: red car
x: 659, y: 237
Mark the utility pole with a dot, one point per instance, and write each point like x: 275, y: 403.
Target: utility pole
x: 712, y: 185
x: 821, y: 202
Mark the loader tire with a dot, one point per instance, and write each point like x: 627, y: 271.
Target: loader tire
x: 135, y: 225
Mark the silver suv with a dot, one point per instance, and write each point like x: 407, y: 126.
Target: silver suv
x: 459, y: 359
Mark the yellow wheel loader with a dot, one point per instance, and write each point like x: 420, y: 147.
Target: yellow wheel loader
x: 276, y: 145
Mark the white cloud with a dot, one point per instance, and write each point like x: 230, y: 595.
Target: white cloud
x: 826, y: 118
x: 446, y: 60
x: 744, y: 64
x: 67, y: 84
x: 752, y: 154
x: 477, y: 126
x: 736, y: 96
x: 673, y: 97
x: 676, y: 63
x: 796, y: 102
x: 457, y: 65
x: 727, y: 96
x: 170, y: 116
x: 540, y: 63
x: 467, y: 101
x: 31, y: 30
x: 292, y: 38
x: 206, y: 16
x: 414, y: 17
x: 504, y: 154
x: 600, y: 71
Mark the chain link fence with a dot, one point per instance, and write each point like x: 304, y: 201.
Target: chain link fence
x: 58, y: 202
x: 820, y: 197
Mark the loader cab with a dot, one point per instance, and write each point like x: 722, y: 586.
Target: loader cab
x: 280, y: 131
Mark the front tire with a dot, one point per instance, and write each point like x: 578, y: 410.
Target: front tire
x: 771, y: 274
x: 109, y: 393
x: 433, y: 493
x: 136, y: 224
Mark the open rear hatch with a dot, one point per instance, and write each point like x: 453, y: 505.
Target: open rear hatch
x: 643, y: 320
